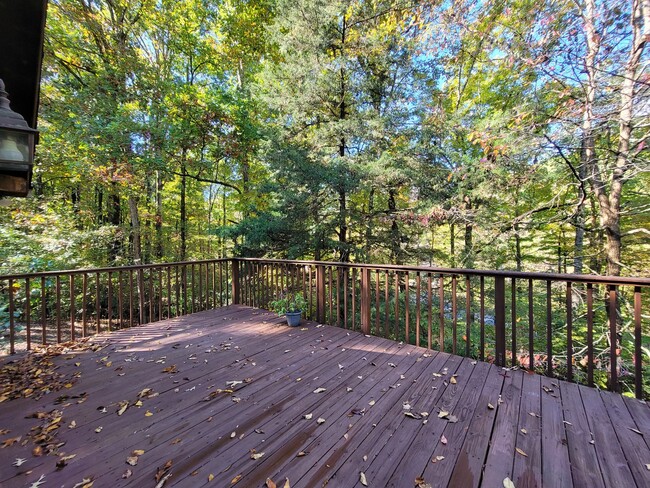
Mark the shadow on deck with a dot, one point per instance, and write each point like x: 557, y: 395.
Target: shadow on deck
x: 314, y: 405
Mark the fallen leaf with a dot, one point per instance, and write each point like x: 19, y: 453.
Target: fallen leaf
x: 38, y: 482
x: 416, y: 416
x: 138, y: 403
x: 437, y: 459
x: 319, y: 390
x: 524, y: 431
x: 452, y: 380
x: 236, y: 479
x: 371, y: 403
x: 37, y: 451
x: 647, y: 466
x: 127, y: 474
x: 520, y: 451
x: 452, y: 419
x: 84, y: 483
x: 137, y: 452
x: 19, y: 462
x: 507, y: 483
x: 362, y: 479
x: 442, y: 414
x: 132, y: 460
x: 170, y: 369
x: 148, y: 414
x: 210, y: 477
x: 443, y: 439
x: 308, y: 416
x: 123, y: 406
x: 286, y: 483
x: 163, y: 473
x: 99, y: 429
x: 635, y: 431
x: 320, y: 421
x: 490, y: 406
x: 302, y: 453
x: 270, y: 483
x: 11, y: 441
x: 257, y: 455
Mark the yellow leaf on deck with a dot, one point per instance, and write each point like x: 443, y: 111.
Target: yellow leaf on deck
x: 148, y: 414
x: 210, y: 477
x: 521, y: 452
x: 236, y: 479
x: 362, y: 479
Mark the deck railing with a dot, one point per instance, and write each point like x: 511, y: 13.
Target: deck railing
x: 583, y: 328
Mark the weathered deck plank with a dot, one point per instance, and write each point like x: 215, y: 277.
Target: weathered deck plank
x: 367, y: 380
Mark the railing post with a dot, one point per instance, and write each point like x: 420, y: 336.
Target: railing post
x: 500, y: 320
x: 236, y: 286
x: 320, y: 293
x: 365, y: 301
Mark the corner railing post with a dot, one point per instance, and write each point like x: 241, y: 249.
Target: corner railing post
x: 320, y: 293
x: 365, y: 301
x: 235, y: 281
x: 500, y: 320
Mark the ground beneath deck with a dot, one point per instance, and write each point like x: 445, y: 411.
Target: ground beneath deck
x: 233, y: 397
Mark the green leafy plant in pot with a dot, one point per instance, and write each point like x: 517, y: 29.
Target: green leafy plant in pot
x: 291, y: 305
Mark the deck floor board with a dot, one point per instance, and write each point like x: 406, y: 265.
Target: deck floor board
x: 210, y: 430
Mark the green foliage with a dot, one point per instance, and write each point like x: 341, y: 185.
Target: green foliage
x: 290, y: 302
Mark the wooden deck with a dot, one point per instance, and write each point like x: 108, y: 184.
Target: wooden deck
x: 500, y: 424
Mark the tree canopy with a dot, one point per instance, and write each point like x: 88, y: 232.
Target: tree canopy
x: 500, y: 134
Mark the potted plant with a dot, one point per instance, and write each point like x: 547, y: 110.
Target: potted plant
x: 291, y: 306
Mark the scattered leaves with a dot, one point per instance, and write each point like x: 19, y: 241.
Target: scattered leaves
x: 520, y: 451
x: 84, y: 483
x: 132, y: 460
x: 123, y: 406
x: 163, y: 473
x: 420, y: 483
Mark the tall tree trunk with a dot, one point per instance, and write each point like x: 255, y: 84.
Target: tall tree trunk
x: 468, y: 251
x: 183, y: 209
x: 135, y: 229
x: 115, y: 219
x: 452, y: 243
x: 395, y: 250
x: 369, y: 226
x: 158, y: 219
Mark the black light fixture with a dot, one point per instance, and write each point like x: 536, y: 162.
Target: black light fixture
x: 17, y: 141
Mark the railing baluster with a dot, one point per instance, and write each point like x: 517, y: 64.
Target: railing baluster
x: 569, y: 331
x: 169, y: 292
x: 513, y: 320
x: 549, y: 330
x: 43, y: 312
x: 386, y: 305
x: 84, y: 292
x: 130, y: 298
x: 345, y: 298
x: 397, y: 305
x: 430, y: 311
x: 500, y: 320
x: 330, y: 270
x: 28, y: 313
x: 590, y: 334
x: 613, y: 338
x: 441, y: 312
x: 377, y: 331
x: 531, y: 331
x: 12, y: 325
x: 354, y: 293
x: 152, y: 295
x: 407, y: 300
x: 454, y: 314
x: 468, y: 314
x: 120, y: 303
x: 638, y: 357
x: 72, y: 308
x: 110, y: 301
x: 482, y: 319
x: 58, y: 309
x: 417, y: 309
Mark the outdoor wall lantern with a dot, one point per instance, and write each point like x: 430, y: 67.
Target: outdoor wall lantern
x: 17, y: 142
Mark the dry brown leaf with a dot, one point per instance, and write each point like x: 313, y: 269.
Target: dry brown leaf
x: 443, y: 439
x: 320, y: 390
x: 362, y: 479
x: 490, y: 406
x: 132, y: 460
x: 11, y: 441
x: 162, y: 472
x: 270, y: 483
x: 236, y: 479
x: 416, y: 416
x: 452, y: 380
x: 210, y: 477
x: 137, y: 452
x: 84, y: 483
x: 127, y: 474
x: 520, y: 451
x: 170, y: 369
x: 286, y: 483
